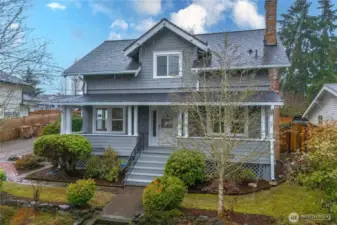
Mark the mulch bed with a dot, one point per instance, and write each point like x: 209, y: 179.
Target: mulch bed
x: 233, y: 217
x: 70, y: 177
x: 22, y: 171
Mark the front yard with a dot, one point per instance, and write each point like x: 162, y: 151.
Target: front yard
x: 277, y: 202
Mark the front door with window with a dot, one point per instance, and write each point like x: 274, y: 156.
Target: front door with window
x: 162, y: 125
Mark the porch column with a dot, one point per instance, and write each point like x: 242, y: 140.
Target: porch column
x: 263, y: 122
x: 271, y: 139
x: 130, y: 120
x: 186, y: 123
x: 179, y: 123
x: 135, y: 120
x: 63, y: 120
x: 68, y: 126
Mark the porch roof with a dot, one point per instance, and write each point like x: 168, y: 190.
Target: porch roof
x: 259, y: 98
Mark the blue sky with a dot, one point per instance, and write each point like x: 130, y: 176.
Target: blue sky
x: 74, y: 27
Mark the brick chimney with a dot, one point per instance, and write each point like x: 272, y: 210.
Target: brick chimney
x: 270, y: 36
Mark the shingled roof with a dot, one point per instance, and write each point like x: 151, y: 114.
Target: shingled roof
x: 251, y: 52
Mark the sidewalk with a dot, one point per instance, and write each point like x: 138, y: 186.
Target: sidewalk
x: 16, y: 147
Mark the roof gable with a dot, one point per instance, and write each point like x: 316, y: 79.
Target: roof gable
x: 154, y: 30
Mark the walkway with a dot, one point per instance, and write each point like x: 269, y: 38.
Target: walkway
x: 16, y: 147
x: 127, y: 202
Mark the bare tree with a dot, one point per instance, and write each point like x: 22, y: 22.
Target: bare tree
x: 220, y: 116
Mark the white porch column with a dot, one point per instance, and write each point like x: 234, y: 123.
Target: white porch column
x: 68, y: 126
x: 63, y: 120
x: 271, y: 139
x: 263, y: 122
x: 179, y: 123
x: 130, y: 120
x: 135, y: 120
x: 186, y: 123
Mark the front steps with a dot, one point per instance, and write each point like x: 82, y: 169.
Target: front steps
x: 149, y: 166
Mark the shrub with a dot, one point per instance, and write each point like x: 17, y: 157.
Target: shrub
x: 93, y: 167
x: 52, y: 128
x: 164, y: 193
x: 170, y: 217
x: 22, y: 216
x: 187, y: 165
x: 81, y: 192
x: 68, y: 147
x: 28, y: 162
x: 244, y: 175
x: 2, y: 178
x: 77, y: 123
x: 6, y: 213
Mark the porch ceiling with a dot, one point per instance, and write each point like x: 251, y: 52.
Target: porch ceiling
x: 259, y: 98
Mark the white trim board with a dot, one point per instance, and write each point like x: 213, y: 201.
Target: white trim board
x: 165, y: 23
x: 168, y: 103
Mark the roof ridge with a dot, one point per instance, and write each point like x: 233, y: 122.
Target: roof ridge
x: 235, y: 31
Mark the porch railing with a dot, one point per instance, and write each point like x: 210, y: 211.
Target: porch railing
x: 133, y: 158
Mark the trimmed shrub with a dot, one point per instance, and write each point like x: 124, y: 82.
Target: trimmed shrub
x: 28, y: 162
x: 2, y: 178
x: 52, y: 128
x: 77, y: 123
x: 187, y: 165
x: 81, y: 192
x: 68, y: 147
x: 245, y: 175
x: 93, y: 167
x: 164, y: 193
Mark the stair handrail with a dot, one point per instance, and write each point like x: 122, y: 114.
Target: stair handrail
x: 133, y: 158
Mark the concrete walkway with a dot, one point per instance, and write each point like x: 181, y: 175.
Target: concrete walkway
x: 16, y: 147
x: 127, y: 202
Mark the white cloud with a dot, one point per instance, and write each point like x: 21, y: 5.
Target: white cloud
x: 98, y: 7
x: 56, y: 6
x: 150, y: 7
x: 215, y: 9
x: 246, y: 15
x: 114, y: 36
x: 191, y: 18
x: 144, y: 25
x: 120, y: 23
x: 14, y: 26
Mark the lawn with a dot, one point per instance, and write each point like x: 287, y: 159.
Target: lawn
x: 54, y: 194
x: 277, y: 202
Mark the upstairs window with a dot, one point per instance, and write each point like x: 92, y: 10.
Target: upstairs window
x: 167, y: 64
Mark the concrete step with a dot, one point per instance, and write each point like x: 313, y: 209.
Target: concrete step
x: 152, y: 157
x: 138, y: 182
x: 146, y: 169
x: 143, y: 176
x: 167, y: 151
x: 153, y: 164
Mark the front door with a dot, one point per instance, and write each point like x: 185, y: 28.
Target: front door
x: 162, y: 126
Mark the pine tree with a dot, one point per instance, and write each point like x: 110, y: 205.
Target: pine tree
x: 297, y: 36
x: 325, y: 48
x: 31, y: 78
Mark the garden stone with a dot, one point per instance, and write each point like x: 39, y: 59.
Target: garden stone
x: 253, y: 185
x: 273, y: 183
x: 64, y: 207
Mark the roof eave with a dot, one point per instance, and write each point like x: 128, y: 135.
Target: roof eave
x: 242, y: 67
x: 135, y: 72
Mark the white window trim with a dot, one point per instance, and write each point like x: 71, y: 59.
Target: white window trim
x: 166, y: 53
x: 109, y: 120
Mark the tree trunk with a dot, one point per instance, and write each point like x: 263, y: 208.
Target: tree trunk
x: 220, y: 194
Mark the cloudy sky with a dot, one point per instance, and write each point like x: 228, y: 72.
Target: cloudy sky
x: 75, y: 27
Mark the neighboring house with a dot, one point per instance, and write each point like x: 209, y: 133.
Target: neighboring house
x: 128, y: 86
x: 12, y: 101
x: 324, y: 107
x: 45, y: 102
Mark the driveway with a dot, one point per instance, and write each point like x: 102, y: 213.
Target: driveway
x: 16, y: 147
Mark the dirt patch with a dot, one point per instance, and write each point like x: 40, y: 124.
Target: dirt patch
x: 23, y: 171
x: 233, y: 217
x: 52, y: 174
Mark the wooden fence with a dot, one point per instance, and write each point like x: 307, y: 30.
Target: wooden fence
x: 10, y: 128
x: 293, y: 134
x: 39, y: 112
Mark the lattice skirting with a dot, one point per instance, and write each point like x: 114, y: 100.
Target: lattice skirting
x: 80, y: 165
x: 262, y: 171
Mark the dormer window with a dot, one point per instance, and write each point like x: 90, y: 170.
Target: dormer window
x: 167, y: 64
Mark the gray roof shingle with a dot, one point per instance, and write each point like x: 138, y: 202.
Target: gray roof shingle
x: 109, y: 58
x: 332, y: 86
x: 7, y: 78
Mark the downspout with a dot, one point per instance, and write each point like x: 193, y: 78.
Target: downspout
x: 272, y: 140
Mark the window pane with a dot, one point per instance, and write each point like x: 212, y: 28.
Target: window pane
x: 117, y: 125
x: 161, y: 65
x: 173, y: 65
x: 117, y: 113
x: 101, y: 117
x: 238, y: 124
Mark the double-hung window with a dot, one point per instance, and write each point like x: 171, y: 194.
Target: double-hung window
x: 117, y: 120
x: 167, y: 64
x: 101, y: 119
x: 110, y: 119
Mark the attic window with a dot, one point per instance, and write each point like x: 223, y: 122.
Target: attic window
x: 167, y: 64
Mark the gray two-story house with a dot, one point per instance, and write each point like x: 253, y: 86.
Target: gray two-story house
x: 128, y: 102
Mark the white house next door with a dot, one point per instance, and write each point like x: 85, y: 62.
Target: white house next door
x: 162, y: 126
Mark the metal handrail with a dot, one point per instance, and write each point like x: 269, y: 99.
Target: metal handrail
x: 133, y: 158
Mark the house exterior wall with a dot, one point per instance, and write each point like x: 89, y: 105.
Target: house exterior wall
x: 24, y: 110
x: 326, y: 107
x: 10, y: 99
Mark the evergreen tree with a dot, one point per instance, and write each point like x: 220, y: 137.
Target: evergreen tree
x: 297, y: 36
x: 32, y: 79
x: 325, y: 48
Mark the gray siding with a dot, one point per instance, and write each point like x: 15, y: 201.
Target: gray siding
x: 245, y: 151
x: 123, y: 145
x: 143, y: 123
x: 87, y: 119
x: 326, y: 107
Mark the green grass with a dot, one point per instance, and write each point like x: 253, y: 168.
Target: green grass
x: 277, y: 202
x: 54, y: 194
